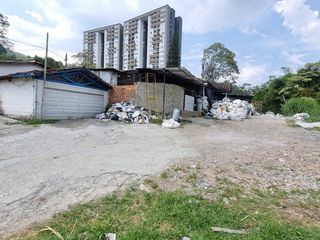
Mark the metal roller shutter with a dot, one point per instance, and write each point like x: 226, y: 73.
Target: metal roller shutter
x: 64, y: 102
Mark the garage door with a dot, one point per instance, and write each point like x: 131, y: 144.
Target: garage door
x: 64, y: 102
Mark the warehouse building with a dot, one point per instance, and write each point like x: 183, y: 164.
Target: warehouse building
x: 66, y: 94
x: 159, y: 90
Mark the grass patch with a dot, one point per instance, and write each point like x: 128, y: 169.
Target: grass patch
x: 36, y: 121
x: 302, y: 105
x: 166, y: 215
x: 151, y: 183
x: 164, y: 175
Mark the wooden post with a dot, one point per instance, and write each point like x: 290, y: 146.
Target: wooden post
x: 164, y: 93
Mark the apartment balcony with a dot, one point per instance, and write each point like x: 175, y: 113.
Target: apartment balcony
x: 156, y: 38
x: 154, y: 55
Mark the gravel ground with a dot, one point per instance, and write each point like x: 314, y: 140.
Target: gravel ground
x: 44, y: 169
x: 261, y: 152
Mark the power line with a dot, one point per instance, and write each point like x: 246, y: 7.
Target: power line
x: 37, y: 46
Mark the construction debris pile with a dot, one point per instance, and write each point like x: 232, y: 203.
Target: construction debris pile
x: 231, y: 110
x: 126, y: 112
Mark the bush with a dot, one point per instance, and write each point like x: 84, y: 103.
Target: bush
x: 302, y: 105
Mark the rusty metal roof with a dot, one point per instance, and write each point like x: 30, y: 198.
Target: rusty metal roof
x: 221, y: 87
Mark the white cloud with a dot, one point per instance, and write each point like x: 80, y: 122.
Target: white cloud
x: 301, y: 20
x: 209, y: 15
x: 294, y: 58
x: 252, y: 74
x: 66, y: 20
x: 35, y: 15
x: 252, y: 31
x: 195, y: 52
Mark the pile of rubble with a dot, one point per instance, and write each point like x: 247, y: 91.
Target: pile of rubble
x: 126, y: 112
x: 231, y: 110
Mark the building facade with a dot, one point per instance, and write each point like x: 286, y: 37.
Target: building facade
x: 148, y: 38
x: 146, y: 41
x: 103, y: 46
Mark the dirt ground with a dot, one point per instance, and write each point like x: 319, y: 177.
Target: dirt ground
x: 45, y: 169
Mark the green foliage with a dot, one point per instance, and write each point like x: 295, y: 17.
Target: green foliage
x: 171, y: 215
x: 82, y: 59
x: 276, y: 92
x: 302, y: 105
x: 268, y: 97
x: 219, y: 62
x: 244, y: 89
x: 51, y: 62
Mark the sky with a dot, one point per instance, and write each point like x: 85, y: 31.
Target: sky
x: 265, y: 35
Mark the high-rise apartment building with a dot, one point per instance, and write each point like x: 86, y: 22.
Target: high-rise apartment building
x: 144, y: 41
x: 104, y: 46
x: 148, y: 38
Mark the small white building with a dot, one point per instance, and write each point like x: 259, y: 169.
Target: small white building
x: 9, y: 67
x: 109, y: 75
x: 68, y: 93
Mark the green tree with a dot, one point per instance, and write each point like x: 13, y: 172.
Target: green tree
x: 4, y: 25
x: 219, y: 62
x: 51, y: 62
x: 244, y: 89
x: 268, y: 97
x: 174, y: 58
x: 82, y: 59
x: 279, y: 90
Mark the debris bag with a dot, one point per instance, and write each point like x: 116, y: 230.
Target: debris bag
x: 136, y: 114
x: 101, y: 116
x: 176, y: 114
x: 231, y: 110
x: 171, y: 123
x: 126, y: 112
x: 300, y: 116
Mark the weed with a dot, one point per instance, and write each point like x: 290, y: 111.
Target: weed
x: 192, y: 178
x: 164, y: 175
x: 151, y: 183
x: 36, y: 121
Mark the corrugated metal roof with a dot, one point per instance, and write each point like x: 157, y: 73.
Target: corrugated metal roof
x: 106, y: 69
x: 53, y: 74
x: 223, y: 87
x: 180, y: 75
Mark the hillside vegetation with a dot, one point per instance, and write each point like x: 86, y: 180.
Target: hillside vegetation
x: 273, y: 95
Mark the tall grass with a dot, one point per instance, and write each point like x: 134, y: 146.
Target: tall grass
x: 302, y: 105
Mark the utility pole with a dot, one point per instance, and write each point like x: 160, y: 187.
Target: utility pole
x: 164, y: 93
x: 44, y: 76
x: 66, y: 60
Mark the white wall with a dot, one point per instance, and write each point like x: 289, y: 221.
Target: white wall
x: 17, y: 98
x: 110, y: 77
x: 8, y: 68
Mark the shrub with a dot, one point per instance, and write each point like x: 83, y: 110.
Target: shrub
x: 302, y: 105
